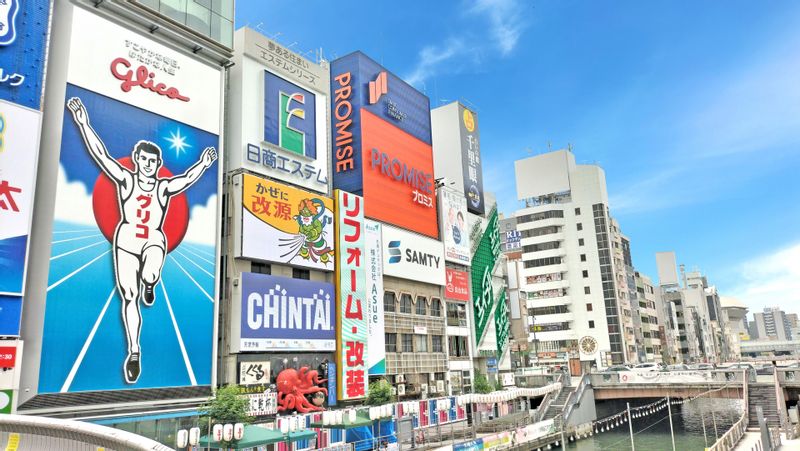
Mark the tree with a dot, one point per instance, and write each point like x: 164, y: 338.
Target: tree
x: 481, y: 384
x: 228, y: 406
x: 379, y: 393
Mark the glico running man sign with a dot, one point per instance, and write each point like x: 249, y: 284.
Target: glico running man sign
x: 130, y: 300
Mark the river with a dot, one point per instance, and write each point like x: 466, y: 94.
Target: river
x: 652, y: 433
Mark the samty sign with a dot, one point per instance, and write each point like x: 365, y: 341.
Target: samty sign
x: 411, y: 256
x: 281, y: 313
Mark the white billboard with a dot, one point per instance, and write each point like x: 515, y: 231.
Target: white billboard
x: 376, y: 360
x: 412, y: 256
x: 453, y: 220
x: 19, y: 149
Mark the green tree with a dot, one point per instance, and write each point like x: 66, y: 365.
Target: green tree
x: 498, y: 385
x: 481, y: 384
x: 379, y: 393
x: 228, y: 406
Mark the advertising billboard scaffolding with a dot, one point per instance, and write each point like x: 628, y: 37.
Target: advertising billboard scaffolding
x: 132, y: 277
x: 382, y: 144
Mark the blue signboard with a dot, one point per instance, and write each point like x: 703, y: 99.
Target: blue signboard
x: 332, y: 383
x: 10, y: 310
x: 23, y: 43
x: 281, y: 313
x: 290, y: 116
x: 358, y: 82
x: 472, y: 445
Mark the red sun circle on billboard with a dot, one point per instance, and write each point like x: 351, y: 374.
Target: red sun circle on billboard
x: 106, y: 208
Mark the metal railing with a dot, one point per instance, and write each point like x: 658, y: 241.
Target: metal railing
x: 538, y: 415
x: 575, y: 397
x: 730, y: 438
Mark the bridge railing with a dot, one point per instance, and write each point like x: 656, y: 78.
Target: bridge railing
x: 668, y: 377
x: 729, y: 439
x: 538, y: 415
x: 575, y: 397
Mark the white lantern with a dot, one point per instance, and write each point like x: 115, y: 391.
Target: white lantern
x: 238, y: 431
x: 292, y: 424
x: 227, y: 432
x: 352, y: 415
x: 284, y: 425
x: 387, y: 412
x: 183, y: 438
x: 194, y: 436
x: 339, y: 417
x: 217, y: 432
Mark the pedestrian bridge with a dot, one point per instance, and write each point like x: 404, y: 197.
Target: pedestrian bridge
x: 674, y: 384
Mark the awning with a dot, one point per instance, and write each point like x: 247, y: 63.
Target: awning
x: 258, y: 436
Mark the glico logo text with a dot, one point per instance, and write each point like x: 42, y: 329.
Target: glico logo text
x: 142, y: 77
x: 398, y: 170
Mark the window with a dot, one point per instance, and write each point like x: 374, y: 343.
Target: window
x: 591, y: 324
x: 436, y: 307
x: 580, y: 226
x: 580, y: 241
x: 420, y: 343
x: 391, y: 342
x: 389, y: 302
x: 585, y: 273
x: 587, y: 290
x: 260, y: 268
x: 583, y: 257
x: 422, y: 308
x: 543, y: 262
x: 405, y: 303
x: 577, y: 211
x: 456, y: 314
x: 457, y: 346
x: 550, y: 310
x: 589, y: 307
x: 303, y: 274
x: 436, y: 343
x: 541, y: 216
x: 542, y: 246
x: 408, y: 342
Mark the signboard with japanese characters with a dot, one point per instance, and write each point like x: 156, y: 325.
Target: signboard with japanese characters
x: 483, y: 262
x: 377, y: 354
x: 457, y: 286
x: 262, y: 404
x: 19, y: 143
x: 253, y: 373
x: 352, y: 322
x: 23, y: 46
x: 280, y: 103
x: 453, y: 220
x: 471, y: 160
x: 286, y: 225
x: 412, y: 256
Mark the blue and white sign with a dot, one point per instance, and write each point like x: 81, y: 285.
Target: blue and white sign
x: 23, y: 44
x: 281, y: 313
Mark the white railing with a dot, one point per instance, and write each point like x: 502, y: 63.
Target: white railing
x: 729, y: 440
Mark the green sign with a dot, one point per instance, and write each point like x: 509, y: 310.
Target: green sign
x: 486, y: 255
x: 501, y: 323
x: 6, y: 398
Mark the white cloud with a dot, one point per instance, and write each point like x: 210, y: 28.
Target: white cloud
x: 504, y: 18
x: 430, y: 59
x: 203, y: 223
x: 73, y: 202
x: 770, y: 280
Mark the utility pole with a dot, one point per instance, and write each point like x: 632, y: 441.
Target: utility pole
x: 630, y: 426
x: 671, y: 430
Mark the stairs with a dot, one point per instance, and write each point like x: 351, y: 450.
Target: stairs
x: 557, y: 406
x: 763, y: 395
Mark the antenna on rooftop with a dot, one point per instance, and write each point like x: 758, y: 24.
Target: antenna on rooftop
x: 274, y: 37
x: 569, y: 147
x: 549, y: 147
x: 259, y: 27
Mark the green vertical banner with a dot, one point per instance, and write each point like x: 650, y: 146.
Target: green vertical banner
x: 486, y: 255
x: 501, y: 324
x: 352, y: 325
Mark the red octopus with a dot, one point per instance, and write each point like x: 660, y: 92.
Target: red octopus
x: 293, y: 386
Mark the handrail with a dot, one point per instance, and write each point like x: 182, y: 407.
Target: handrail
x: 575, y: 396
x: 538, y: 415
x: 730, y: 438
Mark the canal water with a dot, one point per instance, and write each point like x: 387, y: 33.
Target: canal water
x: 652, y: 433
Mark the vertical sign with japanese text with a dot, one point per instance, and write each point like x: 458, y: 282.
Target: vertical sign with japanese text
x: 377, y: 351
x: 471, y: 160
x: 482, y: 266
x: 352, y: 325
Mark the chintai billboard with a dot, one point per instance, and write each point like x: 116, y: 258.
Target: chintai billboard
x: 132, y: 277
x: 382, y: 144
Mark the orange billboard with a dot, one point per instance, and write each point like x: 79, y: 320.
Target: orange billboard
x: 399, y: 187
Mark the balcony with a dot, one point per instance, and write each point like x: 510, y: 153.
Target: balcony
x: 415, y: 362
x: 557, y: 252
x: 537, y: 286
x: 539, y: 270
x: 548, y: 319
x: 531, y: 240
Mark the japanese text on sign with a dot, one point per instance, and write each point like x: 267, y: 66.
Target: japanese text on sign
x: 274, y: 160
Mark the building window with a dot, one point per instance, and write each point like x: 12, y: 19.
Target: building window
x: 420, y: 343
x: 580, y: 226
x: 260, y: 268
x: 405, y: 303
x: 303, y: 274
x: 583, y: 257
x: 456, y: 314
x: 591, y: 324
x: 580, y: 241
x: 436, y: 343
x: 543, y: 262
x: 589, y: 307
x: 436, y: 307
x: 389, y: 302
x: 577, y: 211
x: 587, y: 290
x: 585, y: 273
x: 408, y: 342
x: 457, y: 346
x: 421, y: 305
x: 391, y: 342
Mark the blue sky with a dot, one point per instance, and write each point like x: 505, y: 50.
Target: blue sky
x: 693, y: 110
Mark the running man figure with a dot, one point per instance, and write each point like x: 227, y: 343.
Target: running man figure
x: 139, y: 242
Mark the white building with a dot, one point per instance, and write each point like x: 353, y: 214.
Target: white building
x: 568, y: 274
x: 735, y: 314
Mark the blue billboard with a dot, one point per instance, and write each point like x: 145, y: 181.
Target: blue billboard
x: 23, y: 44
x: 358, y: 82
x: 285, y: 314
x: 131, y: 286
x: 290, y: 116
x: 10, y: 311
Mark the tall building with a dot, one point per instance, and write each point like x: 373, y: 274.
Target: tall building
x: 648, y: 312
x: 773, y: 324
x: 568, y: 275
x: 736, y: 328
